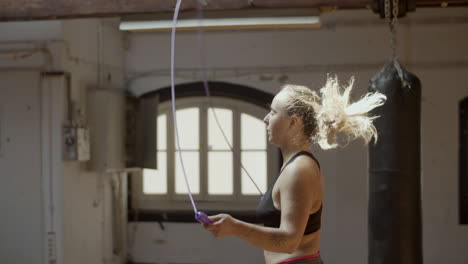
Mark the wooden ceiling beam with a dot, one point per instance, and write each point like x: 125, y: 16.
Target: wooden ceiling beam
x: 11, y: 10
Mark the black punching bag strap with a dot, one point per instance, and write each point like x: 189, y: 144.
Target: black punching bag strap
x: 400, y: 71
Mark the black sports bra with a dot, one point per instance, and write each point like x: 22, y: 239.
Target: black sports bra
x: 271, y: 217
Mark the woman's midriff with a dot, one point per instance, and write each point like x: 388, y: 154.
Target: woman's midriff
x: 309, y: 245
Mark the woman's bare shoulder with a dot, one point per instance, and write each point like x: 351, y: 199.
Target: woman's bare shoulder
x: 303, y: 170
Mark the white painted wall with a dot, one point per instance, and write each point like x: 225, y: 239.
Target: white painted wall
x: 21, y: 223
x: 94, y: 58
x: 42, y: 193
x: 25, y: 155
x: 431, y: 43
x: 445, y: 240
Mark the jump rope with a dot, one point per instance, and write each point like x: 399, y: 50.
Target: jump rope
x: 199, y: 215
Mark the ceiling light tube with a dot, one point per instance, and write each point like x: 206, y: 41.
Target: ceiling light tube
x: 224, y: 23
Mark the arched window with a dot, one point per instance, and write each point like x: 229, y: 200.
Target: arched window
x: 216, y: 178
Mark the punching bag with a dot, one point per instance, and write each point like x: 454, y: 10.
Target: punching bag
x: 394, y: 207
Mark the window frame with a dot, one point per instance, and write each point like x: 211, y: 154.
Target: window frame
x: 180, y: 202
x: 463, y: 166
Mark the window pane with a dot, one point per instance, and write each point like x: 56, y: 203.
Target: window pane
x: 187, y: 123
x: 220, y: 180
x: 253, y: 133
x: 191, y: 164
x: 162, y: 129
x: 255, y: 162
x: 155, y: 181
x: 215, y: 137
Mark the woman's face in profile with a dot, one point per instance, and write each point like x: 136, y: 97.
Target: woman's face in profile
x: 277, y: 120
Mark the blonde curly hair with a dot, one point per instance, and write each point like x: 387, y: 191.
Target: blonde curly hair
x: 326, y: 115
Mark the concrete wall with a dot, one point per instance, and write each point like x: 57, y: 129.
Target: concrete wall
x: 431, y: 43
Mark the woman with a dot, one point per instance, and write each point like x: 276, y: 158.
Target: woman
x: 291, y: 208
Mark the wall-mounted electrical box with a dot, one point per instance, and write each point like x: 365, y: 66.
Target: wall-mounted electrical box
x: 76, y: 143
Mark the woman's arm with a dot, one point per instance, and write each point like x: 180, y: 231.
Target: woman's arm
x: 298, y: 190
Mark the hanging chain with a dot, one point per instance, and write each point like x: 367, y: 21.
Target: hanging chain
x: 387, y: 10
x: 391, y: 20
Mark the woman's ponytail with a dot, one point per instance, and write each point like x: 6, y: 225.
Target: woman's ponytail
x: 335, y: 115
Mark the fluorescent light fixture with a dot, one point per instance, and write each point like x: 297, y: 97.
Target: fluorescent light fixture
x: 223, y: 23
x: 220, y: 21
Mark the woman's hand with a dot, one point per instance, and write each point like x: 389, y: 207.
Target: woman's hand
x: 223, y: 226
